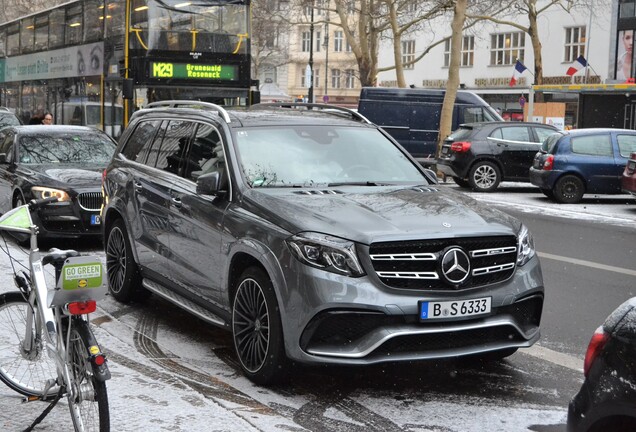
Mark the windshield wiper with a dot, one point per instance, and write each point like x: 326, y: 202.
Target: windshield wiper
x: 367, y: 183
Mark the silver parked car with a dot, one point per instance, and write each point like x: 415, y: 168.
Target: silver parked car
x: 312, y: 236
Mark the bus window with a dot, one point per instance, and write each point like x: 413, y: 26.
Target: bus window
x: 57, y: 27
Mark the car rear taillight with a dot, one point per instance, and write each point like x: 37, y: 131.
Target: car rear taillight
x: 460, y: 146
x: 598, y: 341
x: 548, y: 163
x: 631, y: 164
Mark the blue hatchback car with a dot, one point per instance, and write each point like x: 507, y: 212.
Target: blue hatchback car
x: 573, y: 163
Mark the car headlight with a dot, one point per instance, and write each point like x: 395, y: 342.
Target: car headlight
x: 40, y: 192
x: 525, y: 246
x: 325, y: 252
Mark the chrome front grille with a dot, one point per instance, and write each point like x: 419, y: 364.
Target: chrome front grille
x: 91, y: 201
x: 417, y: 264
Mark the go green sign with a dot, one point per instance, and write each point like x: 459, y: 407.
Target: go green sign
x: 193, y: 71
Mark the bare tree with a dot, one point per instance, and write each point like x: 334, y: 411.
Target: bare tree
x: 270, y: 30
x: 406, y: 16
x: 12, y: 9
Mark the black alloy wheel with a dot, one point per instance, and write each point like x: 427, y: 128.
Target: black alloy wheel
x: 256, y: 328
x: 124, y: 280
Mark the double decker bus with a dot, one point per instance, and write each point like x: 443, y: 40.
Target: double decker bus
x: 93, y: 62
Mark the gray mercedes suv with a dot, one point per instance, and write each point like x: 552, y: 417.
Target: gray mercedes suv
x: 312, y: 236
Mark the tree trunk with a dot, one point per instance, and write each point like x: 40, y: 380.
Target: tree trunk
x: 397, y: 45
x: 533, y: 31
x: 446, y: 118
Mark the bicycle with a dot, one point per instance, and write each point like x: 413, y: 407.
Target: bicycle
x: 47, y: 349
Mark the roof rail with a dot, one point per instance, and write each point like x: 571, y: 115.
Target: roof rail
x: 177, y: 103
x: 354, y: 114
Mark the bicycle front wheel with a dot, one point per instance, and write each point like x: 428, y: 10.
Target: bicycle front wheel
x: 87, y: 397
x: 24, y: 369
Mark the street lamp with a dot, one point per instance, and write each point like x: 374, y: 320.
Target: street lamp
x: 326, y: 45
x: 310, y: 95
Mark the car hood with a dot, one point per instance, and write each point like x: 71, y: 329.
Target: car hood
x: 64, y: 175
x: 371, y: 214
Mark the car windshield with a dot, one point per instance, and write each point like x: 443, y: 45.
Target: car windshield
x: 65, y: 148
x: 8, y: 120
x: 285, y: 156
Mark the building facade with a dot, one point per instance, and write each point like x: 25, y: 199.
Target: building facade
x: 490, y: 52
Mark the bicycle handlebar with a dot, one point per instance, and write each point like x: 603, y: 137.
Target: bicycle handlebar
x: 36, y: 203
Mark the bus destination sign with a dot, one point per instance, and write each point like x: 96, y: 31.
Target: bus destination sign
x: 193, y: 71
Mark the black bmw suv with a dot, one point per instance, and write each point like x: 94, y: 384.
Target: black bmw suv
x: 312, y: 235
x: 482, y: 155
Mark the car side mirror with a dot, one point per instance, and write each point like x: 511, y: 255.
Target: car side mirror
x: 209, y: 184
x: 3, y: 158
x: 430, y: 175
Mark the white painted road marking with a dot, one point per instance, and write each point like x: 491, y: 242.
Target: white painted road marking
x: 555, y: 357
x: 587, y: 263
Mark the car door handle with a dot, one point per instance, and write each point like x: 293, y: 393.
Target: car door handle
x: 138, y: 186
x: 176, y: 201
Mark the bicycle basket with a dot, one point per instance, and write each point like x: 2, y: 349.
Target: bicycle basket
x: 81, y: 279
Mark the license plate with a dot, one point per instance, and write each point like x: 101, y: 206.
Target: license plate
x: 454, y: 309
x: 444, y: 150
x: 96, y: 220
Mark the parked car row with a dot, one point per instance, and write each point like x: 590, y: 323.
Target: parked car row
x: 565, y: 165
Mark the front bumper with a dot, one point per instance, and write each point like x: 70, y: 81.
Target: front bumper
x: 338, y: 320
x: 67, y: 220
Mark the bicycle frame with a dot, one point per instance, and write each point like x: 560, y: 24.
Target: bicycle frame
x: 49, y: 307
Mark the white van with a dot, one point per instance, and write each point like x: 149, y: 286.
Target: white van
x: 89, y: 114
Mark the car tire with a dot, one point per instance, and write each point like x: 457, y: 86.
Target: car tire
x: 461, y: 182
x: 569, y: 189
x: 124, y: 279
x: 257, y: 330
x: 484, y: 177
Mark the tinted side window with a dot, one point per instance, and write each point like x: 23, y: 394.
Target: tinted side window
x: 594, y: 145
x: 515, y: 134
x: 626, y: 144
x: 543, y: 133
x: 206, y: 154
x: 476, y: 114
x: 6, y: 145
x: 136, y: 148
x: 175, y: 142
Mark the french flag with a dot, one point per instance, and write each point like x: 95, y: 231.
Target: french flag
x: 519, y: 69
x: 578, y: 64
